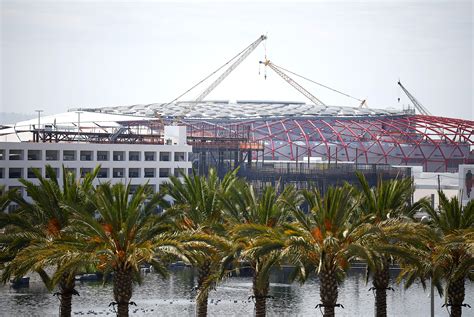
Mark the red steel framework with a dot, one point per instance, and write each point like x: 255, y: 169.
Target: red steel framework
x: 436, y: 143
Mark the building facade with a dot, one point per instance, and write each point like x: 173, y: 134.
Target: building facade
x: 134, y: 163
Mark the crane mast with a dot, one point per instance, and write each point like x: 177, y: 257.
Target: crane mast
x: 243, y: 55
x: 415, y: 102
x: 293, y: 83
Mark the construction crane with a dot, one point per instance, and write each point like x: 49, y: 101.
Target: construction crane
x: 243, y: 55
x: 293, y: 83
x: 238, y: 59
x: 282, y: 73
x: 421, y: 109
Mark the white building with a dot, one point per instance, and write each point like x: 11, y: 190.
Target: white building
x: 427, y: 184
x: 142, y: 157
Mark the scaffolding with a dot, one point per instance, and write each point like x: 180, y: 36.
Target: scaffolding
x: 223, y: 147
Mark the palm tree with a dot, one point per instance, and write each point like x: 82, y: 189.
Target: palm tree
x: 198, y: 213
x: 449, y: 255
x: 257, y: 227
x: 326, y: 238
x: 386, y: 205
x: 31, y: 229
x: 125, y: 233
x: 4, y: 199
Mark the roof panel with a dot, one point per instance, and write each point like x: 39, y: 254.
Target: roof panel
x: 245, y: 109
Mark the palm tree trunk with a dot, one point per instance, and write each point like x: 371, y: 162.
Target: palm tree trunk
x: 260, y: 295
x: 328, y: 291
x: 66, y: 290
x: 202, y: 307
x: 456, y: 294
x: 122, y: 291
x: 380, y: 282
x: 203, y: 289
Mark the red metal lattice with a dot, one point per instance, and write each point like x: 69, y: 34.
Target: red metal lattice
x: 436, y: 143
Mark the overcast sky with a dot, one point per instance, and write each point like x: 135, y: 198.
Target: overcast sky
x: 57, y: 55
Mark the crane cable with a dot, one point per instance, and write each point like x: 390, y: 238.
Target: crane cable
x: 314, y: 82
x: 207, y: 77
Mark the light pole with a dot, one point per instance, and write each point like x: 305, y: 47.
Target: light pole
x: 432, y: 304
x: 39, y: 117
x: 426, y: 220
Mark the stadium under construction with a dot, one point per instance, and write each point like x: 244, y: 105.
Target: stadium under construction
x: 277, y: 142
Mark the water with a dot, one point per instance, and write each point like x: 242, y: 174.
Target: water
x: 175, y: 297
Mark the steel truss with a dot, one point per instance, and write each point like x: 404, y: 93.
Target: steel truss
x: 436, y: 143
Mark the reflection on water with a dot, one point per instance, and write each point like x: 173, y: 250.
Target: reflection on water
x: 175, y: 297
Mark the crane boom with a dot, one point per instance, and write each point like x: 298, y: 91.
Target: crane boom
x: 243, y: 55
x: 293, y: 83
x: 415, y: 102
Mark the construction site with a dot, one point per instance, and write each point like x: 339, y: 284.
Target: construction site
x: 275, y: 142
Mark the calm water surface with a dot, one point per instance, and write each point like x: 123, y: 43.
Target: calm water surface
x: 174, y: 297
